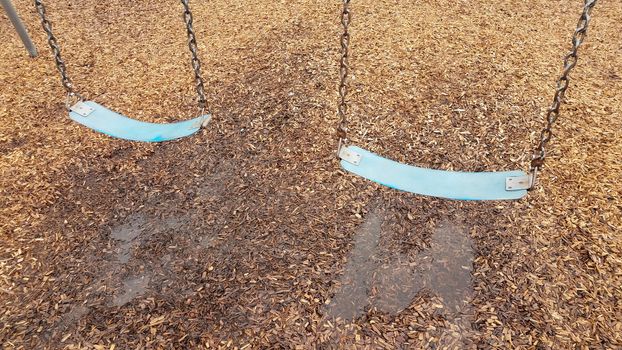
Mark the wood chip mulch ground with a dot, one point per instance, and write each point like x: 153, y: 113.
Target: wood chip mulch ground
x: 249, y: 235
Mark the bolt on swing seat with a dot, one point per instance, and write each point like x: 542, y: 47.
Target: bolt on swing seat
x: 105, y: 121
x: 505, y: 185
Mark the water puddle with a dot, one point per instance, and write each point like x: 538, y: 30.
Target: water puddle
x: 125, y: 234
x: 132, y: 288
x: 74, y: 315
x: 389, y: 281
x: 128, y: 234
x: 353, y: 297
x: 447, y: 265
x: 136, y: 230
x: 207, y: 241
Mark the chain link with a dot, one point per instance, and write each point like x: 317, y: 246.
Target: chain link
x: 570, y: 61
x: 60, y: 64
x: 196, y: 63
x: 344, y: 69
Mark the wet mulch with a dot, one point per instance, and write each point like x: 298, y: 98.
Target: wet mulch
x: 248, y: 235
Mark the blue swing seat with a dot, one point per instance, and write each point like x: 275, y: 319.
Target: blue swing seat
x: 438, y: 183
x: 105, y: 121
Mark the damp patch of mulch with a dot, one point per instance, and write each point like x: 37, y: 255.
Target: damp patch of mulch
x: 249, y: 235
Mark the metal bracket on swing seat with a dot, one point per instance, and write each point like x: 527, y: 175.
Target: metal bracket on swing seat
x: 82, y: 109
x: 349, y: 156
x: 519, y: 183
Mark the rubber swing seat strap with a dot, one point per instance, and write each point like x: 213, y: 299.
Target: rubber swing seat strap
x: 105, y: 121
x: 507, y: 185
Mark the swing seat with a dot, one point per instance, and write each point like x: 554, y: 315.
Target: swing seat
x: 105, y: 121
x: 438, y: 183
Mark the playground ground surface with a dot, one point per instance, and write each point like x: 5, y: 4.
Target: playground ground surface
x: 248, y: 235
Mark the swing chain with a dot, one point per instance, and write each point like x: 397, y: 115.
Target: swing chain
x: 344, y: 68
x: 570, y: 61
x: 72, y: 96
x: 196, y: 63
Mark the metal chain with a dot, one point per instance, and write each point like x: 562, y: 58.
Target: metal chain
x: 196, y: 63
x: 344, y: 68
x: 60, y: 64
x: 570, y: 61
